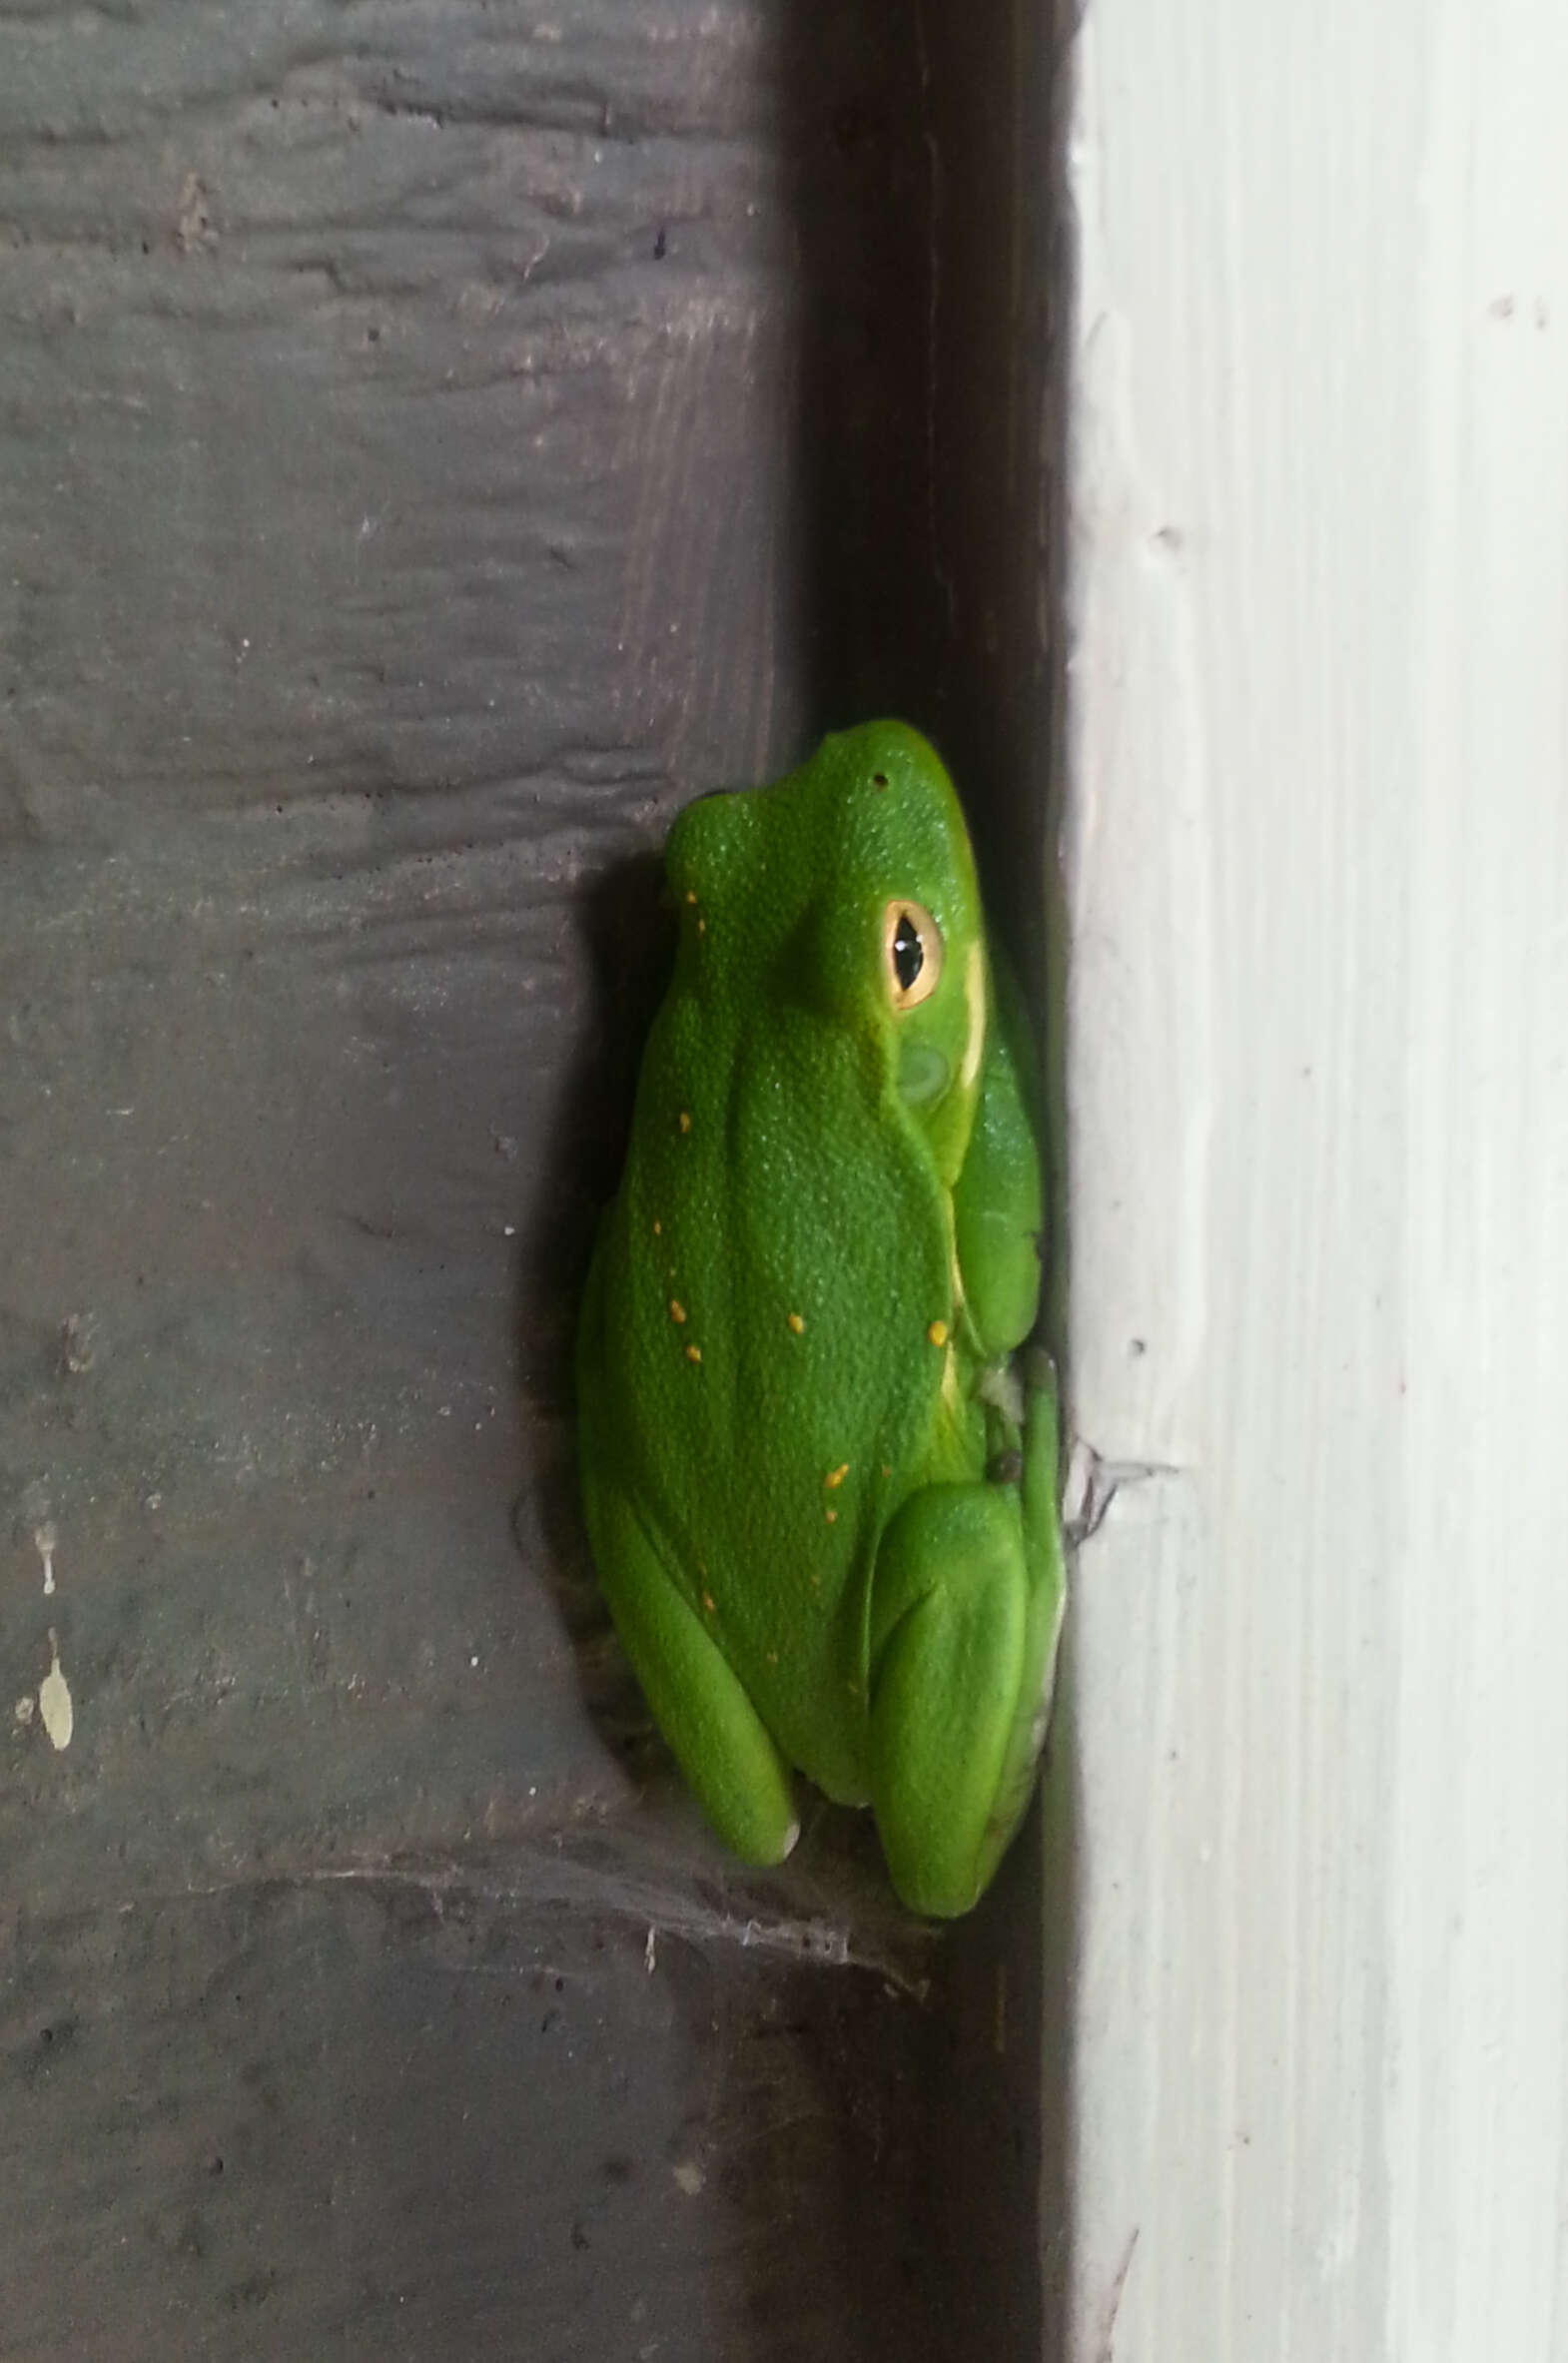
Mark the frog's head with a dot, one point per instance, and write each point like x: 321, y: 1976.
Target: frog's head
x: 849, y: 887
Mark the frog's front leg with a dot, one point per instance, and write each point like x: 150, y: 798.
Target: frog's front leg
x: 736, y: 1771
x: 965, y: 1612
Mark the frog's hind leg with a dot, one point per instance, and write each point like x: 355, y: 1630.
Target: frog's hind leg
x: 732, y: 1764
x: 965, y: 1610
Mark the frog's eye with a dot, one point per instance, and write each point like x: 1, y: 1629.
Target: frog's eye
x: 910, y: 954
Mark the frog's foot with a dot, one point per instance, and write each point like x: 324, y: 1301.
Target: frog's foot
x: 740, y: 1779
x: 949, y: 1637
x: 966, y: 1613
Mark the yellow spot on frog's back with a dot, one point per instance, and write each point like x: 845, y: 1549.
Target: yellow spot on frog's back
x: 836, y: 1477
x: 692, y: 894
x: 677, y: 1310
x: 773, y: 1656
x: 886, y: 1471
x: 685, y: 1120
x: 708, y: 1603
x: 658, y: 1228
x: 693, y: 1353
x: 796, y: 1324
x: 938, y: 1333
x: 833, y: 1517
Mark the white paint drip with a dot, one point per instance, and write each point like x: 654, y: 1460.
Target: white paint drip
x: 48, y: 1543
x: 54, y: 1699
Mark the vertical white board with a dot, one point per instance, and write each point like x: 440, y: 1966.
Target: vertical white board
x: 1318, y: 873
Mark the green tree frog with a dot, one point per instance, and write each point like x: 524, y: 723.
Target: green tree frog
x: 821, y: 1499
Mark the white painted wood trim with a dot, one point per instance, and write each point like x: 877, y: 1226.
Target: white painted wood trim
x: 1318, y: 873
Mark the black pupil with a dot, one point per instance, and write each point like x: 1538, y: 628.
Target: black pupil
x: 909, y: 956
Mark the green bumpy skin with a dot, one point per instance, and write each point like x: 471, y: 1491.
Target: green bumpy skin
x: 822, y: 1505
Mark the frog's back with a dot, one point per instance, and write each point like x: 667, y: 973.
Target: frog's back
x: 774, y: 1284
